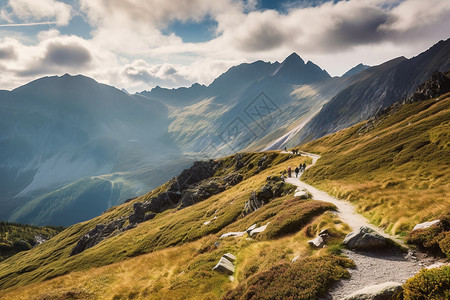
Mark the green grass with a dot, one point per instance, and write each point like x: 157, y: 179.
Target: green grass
x: 16, y: 237
x: 397, y: 173
x: 170, y: 228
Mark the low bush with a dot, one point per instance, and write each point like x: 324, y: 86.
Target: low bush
x: 435, y: 238
x: 428, y: 284
x: 307, y: 278
x: 296, y: 214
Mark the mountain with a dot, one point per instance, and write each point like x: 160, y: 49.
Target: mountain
x: 374, y: 89
x: 355, y: 70
x: 166, y: 243
x: 58, y: 130
x: 294, y: 70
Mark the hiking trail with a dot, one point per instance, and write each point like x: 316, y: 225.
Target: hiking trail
x: 372, y: 267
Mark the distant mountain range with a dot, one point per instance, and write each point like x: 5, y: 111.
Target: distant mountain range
x: 71, y: 147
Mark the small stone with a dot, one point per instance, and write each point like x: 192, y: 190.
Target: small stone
x: 426, y: 224
x: 258, y: 230
x: 233, y: 234
x: 229, y: 256
x: 251, y: 228
x: 436, y: 265
x: 301, y: 194
x: 295, y: 258
x: 318, y: 242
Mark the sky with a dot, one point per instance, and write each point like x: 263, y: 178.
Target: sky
x: 138, y: 44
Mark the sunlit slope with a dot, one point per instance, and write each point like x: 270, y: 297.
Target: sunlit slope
x: 169, y: 228
x: 396, y: 172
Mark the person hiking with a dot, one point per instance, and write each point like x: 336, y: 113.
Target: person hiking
x: 296, y: 172
x: 289, y: 171
x: 304, y: 167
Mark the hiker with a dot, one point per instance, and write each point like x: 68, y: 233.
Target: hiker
x: 289, y: 171
x: 296, y: 172
x: 304, y: 167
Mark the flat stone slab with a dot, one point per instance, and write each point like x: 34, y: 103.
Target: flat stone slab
x: 233, y: 234
x: 251, y: 228
x: 426, y: 225
x: 258, y: 230
x: 229, y: 256
x: 382, y: 291
x: 224, y: 266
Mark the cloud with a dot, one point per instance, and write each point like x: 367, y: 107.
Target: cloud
x: 128, y: 45
x: 60, y: 54
x: 7, y: 53
x: 37, y: 10
x: 67, y: 55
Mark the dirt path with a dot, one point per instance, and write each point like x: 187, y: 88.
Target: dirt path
x: 371, y: 267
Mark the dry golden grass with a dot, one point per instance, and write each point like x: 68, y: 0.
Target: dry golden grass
x: 180, y: 272
x: 396, y: 174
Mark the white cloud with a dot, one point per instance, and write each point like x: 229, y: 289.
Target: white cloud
x: 37, y: 10
x: 128, y: 47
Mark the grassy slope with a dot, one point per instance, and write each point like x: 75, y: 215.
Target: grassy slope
x: 397, y: 174
x: 171, y: 228
x: 15, y: 237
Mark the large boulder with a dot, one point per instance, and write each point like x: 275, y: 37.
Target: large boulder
x: 383, y: 291
x: 364, y: 238
x: 224, y: 266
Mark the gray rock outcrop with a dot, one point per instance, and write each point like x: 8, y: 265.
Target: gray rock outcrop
x: 320, y: 240
x: 224, y: 266
x: 364, y: 238
x: 383, y: 291
x: 258, y: 230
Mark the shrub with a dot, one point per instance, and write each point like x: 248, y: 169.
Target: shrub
x: 428, y: 284
x: 296, y: 215
x: 435, y: 238
x: 307, y: 278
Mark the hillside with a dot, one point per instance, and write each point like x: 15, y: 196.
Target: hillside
x: 164, y: 244
x: 15, y: 237
x: 394, y: 167
x: 190, y: 234
x: 374, y: 89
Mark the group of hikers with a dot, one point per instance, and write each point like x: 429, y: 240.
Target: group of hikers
x: 294, y: 151
x: 300, y: 168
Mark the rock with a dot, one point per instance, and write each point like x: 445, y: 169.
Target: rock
x: 426, y: 225
x: 295, y: 258
x: 252, y: 204
x: 301, y: 195
x: 231, y: 278
x: 258, y: 230
x: 224, y: 266
x: 233, y: 234
x: 383, y: 291
x: 436, y: 265
x: 364, y: 238
x: 229, y: 256
x: 318, y: 242
x: 300, y: 189
x: 98, y: 234
x: 251, y: 228
x: 234, y: 178
x: 325, y: 233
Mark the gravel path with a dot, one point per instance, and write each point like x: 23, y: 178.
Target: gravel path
x: 371, y: 267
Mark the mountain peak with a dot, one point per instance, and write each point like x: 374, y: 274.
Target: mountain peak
x: 294, y: 70
x: 355, y: 70
x: 294, y: 57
